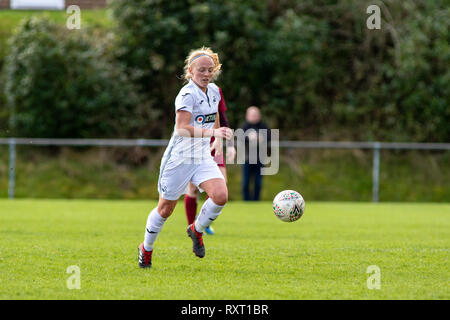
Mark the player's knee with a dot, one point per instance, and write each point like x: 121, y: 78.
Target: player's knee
x: 165, y: 212
x: 165, y: 209
x: 220, y: 197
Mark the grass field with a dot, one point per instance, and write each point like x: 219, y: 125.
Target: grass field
x: 253, y: 255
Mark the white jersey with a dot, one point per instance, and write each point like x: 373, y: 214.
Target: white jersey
x: 203, y: 107
x: 189, y: 159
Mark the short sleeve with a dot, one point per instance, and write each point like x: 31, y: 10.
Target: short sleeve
x: 184, y: 102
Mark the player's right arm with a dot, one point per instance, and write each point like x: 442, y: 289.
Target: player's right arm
x: 184, y: 129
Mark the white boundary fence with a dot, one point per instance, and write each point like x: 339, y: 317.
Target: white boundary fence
x: 375, y: 146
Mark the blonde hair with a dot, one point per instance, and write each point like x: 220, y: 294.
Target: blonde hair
x: 197, y: 53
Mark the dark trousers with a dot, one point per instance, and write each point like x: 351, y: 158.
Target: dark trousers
x: 251, y: 172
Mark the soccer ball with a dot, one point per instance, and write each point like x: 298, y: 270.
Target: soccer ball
x: 288, y: 205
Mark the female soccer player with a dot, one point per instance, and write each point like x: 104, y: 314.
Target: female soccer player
x: 188, y: 155
x: 190, y: 198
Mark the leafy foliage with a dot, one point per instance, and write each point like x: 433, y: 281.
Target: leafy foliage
x: 61, y: 84
x: 312, y: 66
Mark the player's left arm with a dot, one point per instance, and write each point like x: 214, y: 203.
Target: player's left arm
x: 217, y: 144
x: 217, y: 121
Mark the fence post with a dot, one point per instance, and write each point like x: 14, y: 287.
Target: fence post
x: 376, y: 172
x: 12, y: 168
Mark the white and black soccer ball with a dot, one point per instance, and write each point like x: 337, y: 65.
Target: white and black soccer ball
x: 288, y: 205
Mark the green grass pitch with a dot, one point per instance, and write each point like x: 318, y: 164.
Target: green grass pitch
x: 324, y: 255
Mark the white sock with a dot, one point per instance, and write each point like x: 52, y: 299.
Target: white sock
x: 154, y: 225
x: 208, y: 213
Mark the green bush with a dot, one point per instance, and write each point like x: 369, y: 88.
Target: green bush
x: 61, y: 83
x: 4, y: 115
x: 418, y: 84
x: 314, y: 67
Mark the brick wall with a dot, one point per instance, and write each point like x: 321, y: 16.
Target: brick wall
x: 83, y: 4
x: 87, y: 4
x: 4, y: 4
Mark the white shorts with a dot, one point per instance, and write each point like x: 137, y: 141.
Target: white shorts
x: 175, y: 175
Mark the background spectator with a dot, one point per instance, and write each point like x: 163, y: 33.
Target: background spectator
x: 251, y: 170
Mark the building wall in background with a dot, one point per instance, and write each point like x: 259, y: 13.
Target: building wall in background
x: 4, y: 4
x: 87, y: 4
x: 83, y: 4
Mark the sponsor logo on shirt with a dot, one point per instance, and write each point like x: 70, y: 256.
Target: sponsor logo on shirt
x: 201, y: 119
